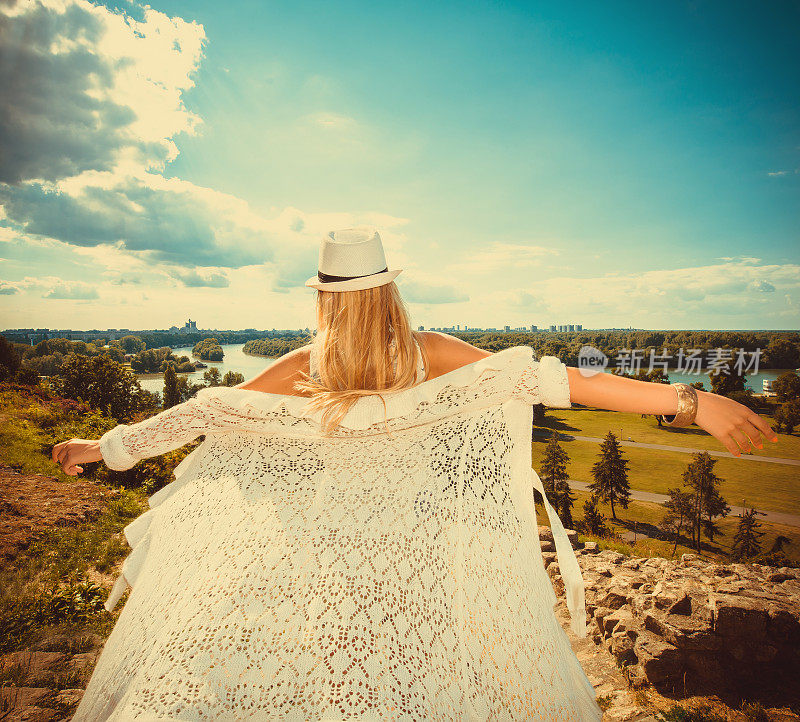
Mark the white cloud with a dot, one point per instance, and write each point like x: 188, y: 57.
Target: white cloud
x: 672, y: 298
x: 87, y: 172
x: 334, y: 121
x: 201, y: 280
x: 431, y: 293
x: 502, y: 256
x: 91, y: 88
x: 52, y: 287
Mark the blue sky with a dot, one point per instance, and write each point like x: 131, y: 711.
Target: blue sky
x: 607, y: 164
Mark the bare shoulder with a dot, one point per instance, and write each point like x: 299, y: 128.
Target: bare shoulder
x: 447, y: 353
x: 279, y: 377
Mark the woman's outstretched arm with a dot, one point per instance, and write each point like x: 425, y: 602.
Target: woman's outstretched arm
x: 733, y: 424
x: 125, y: 445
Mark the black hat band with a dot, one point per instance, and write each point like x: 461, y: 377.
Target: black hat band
x: 327, y: 278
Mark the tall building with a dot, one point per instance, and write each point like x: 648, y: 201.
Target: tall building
x: 420, y: 328
x: 578, y: 327
x: 533, y: 327
x: 552, y: 328
x: 506, y: 328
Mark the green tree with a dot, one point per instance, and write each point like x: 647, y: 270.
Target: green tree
x: 593, y: 520
x: 208, y: 349
x: 610, y: 474
x: 104, y: 384
x: 232, y: 378
x: 787, y: 386
x: 132, y: 344
x: 187, y: 389
x: 212, y: 377
x: 556, y: 480
x: 747, y: 539
x: 678, y: 516
x: 563, y: 499
x: 172, y: 395
x: 781, y: 353
x: 554, y: 464
x: 10, y: 360
x: 707, y: 502
x: 787, y: 415
x: 726, y: 380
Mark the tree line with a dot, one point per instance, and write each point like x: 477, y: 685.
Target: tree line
x: 780, y: 349
x: 691, y: 511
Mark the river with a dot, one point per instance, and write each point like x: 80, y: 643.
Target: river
x: 236, y: 360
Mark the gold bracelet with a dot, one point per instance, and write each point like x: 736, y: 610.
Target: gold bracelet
x: 687, y: 407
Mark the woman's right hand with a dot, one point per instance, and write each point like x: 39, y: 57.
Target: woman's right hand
x: 732, y: 423
x: 69, y: 454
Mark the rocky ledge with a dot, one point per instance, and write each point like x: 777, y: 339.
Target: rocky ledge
x: 692, y: 626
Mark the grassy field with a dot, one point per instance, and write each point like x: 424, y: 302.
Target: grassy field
x: 768, y: 486
x: 592, y: 422
x: 648, y: 515
x: 773, y: 487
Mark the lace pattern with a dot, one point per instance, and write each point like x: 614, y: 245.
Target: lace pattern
x: 287, y: 575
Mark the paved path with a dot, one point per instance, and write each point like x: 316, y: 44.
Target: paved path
x: 773, y: 516
x: 664, y: 447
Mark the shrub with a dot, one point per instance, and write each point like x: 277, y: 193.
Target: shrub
x: 74, y: 603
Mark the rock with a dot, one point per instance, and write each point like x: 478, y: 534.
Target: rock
x: 20, y: 697
x: 615, y: 598
x: 548, y: 558
x: 36, y: 669
x: 69, y: 697
x: 682, y: 606
x: 780, y: 576
x: 737, y: 616
x: 572, y: 535
x: 660, y: 661
x: 545, y: 533
x: 547, y: 546
x: 84, y: 663
x: 591, y: 547
x: 612, y: 557
x: 694, y: 626
x: 599, y: 617
x: 681, y: 631
x: 618, y: 621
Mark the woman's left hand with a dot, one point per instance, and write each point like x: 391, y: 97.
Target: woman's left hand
x: 74, y: 452
x: 732, y: 423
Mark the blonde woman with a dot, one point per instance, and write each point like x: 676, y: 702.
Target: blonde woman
x: 357, y: 325
x: 306, y: 565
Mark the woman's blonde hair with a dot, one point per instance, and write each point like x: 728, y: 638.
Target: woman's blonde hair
x: 358, y: 335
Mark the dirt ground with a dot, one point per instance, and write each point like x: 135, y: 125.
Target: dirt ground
x: 31, y: 504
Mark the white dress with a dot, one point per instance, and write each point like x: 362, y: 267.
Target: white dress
x: 390, y: 572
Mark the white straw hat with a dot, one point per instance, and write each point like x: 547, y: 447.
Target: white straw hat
x: 352, y: 259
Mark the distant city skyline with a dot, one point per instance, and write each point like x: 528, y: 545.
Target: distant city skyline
x: 617, y: 163
x: 34, y: 335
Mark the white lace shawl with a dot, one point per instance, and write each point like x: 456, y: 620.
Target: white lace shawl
x: 392, y: 570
